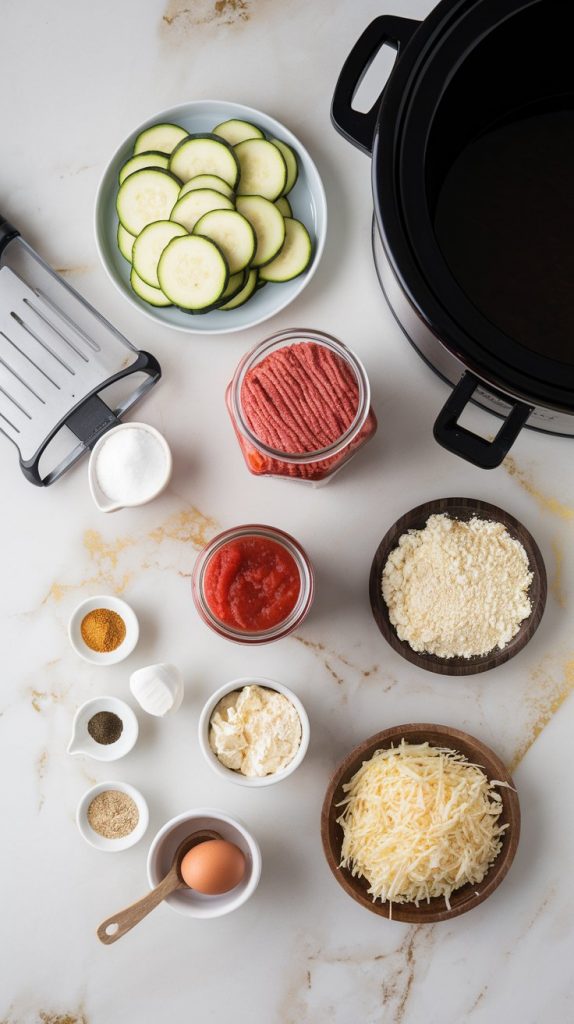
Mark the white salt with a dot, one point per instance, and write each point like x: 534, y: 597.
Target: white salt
x: 131, y: 466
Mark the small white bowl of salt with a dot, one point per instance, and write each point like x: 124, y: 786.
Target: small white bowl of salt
x: 129, y: 466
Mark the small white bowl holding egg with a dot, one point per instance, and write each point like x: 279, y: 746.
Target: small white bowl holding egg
x: 189, y: 901
x: 286, y: 749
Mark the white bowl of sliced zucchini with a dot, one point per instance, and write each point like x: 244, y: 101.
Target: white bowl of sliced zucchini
x: 211, y: 217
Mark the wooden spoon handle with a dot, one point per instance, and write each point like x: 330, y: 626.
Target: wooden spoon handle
x: 114, y: 927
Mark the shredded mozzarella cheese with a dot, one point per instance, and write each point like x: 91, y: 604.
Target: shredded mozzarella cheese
x: 419, y: 822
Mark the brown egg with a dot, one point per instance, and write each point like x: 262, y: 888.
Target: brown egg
x: 213, y: 867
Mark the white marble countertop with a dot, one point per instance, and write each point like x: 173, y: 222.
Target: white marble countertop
x: 76, y: 78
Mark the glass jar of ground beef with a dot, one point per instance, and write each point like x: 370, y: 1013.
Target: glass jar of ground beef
x: 300, y: 404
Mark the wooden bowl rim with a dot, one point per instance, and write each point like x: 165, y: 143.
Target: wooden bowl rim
x: 493, y: 767
x: 416, y: 518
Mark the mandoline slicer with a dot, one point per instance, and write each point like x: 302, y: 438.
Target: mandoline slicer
x: 58, y: 356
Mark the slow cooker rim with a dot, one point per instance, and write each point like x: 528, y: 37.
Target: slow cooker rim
x: 392, y: 128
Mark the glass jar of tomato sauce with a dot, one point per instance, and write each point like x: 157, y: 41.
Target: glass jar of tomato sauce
x: 253, y: 584
x: 300, y: 404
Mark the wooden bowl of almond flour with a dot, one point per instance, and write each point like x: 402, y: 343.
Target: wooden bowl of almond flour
x: 463, y: 509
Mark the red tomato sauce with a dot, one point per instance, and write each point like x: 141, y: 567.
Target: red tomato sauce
x: 252, y: 584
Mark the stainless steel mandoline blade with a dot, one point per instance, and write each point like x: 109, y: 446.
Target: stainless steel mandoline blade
x: 57, y: 356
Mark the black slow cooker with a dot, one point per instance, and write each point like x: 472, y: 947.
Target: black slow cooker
x: 472, y: 144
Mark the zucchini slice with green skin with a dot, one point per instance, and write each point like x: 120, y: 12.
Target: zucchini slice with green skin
x: 204, y: 153
x: 291, y: 161
x: 193, y: 205
x: 260, y: 284
x: 234, y: 131
x: 145, y: 196
x: 232, y: 233
x: 245, y: 293
x: 160, y: 137
x: 137, y: 163
x: 208, y: 181
x: 193, y: 273
x: 268, y: 225
x: 149, y: 246
x: 234, y: 286
x: 284, y: 206
x: 125, y: 242
x: 153, y: 296
x: 263, y: 169
x: 294, y: 257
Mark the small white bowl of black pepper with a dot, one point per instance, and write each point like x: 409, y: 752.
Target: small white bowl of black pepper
x: 104, y: 728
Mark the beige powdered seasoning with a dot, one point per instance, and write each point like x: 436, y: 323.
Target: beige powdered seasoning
x: 457, y: 588
x: 113, y: 814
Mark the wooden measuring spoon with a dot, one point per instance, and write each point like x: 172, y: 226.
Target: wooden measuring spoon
x: 114, y: 927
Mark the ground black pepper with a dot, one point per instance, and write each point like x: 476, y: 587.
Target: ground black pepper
x: 105, y: 727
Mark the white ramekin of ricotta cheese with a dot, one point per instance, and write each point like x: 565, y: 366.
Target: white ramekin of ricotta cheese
x: 264, y: 752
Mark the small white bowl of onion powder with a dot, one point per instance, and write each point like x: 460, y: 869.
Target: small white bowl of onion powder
x: 112, y: 816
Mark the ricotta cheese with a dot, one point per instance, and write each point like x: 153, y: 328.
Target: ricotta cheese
x: 255, y: 731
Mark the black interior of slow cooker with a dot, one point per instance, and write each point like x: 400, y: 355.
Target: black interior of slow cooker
x: 499, y: 174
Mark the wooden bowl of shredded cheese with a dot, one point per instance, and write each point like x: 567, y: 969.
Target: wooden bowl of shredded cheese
x: 457, y: 586
x: 420, y: 823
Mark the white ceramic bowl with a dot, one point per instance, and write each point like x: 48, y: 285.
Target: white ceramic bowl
x: 114, y: 604
x: 101, y: 499
x: 187, y: 901
x: 307, y: 199
x: 82, y: 743
x: 227, y: 773
x: 100, y: 842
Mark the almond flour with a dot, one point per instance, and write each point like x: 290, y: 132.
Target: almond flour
x: 457, y: 588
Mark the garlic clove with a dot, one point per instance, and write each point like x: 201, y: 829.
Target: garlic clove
x: 158, y: 689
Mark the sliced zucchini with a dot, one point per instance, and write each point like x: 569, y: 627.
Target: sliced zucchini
x: 160, y: 137
x: 268, y: 225
x: 245, y: 293
x: 193, y: 273
x: 145, y: 196
x: 232, y: 233
x: 137, y: 163
x: 234, y: 131
x: 260, y: 284
x: 125, y: 242
x: 188, y: 210
x: 291, y: 160
x: 294, y: 257
x: 234, y: 286
x: 149, y: 246
x: 284, y: 206
x: 263, y: 169
x: 205, y: 153
x: 154, y: 296
x: 208, y: 181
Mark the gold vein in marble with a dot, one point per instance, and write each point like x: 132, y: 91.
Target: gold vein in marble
x: 39, y: 699
x: 41, y: 769
x: 556, y: 581
x: 206, y: 12
x: 546, y: 502
x: 392, y: 975
x: 552, y: 682
x: 327, y: 656
x: 186, y: 527
x: 76, y: 1017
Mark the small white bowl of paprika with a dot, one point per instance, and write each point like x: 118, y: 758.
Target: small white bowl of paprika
x: 103, y: 630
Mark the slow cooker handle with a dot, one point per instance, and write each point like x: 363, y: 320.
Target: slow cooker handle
x: 355, y: 126
x: 472, y: 447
